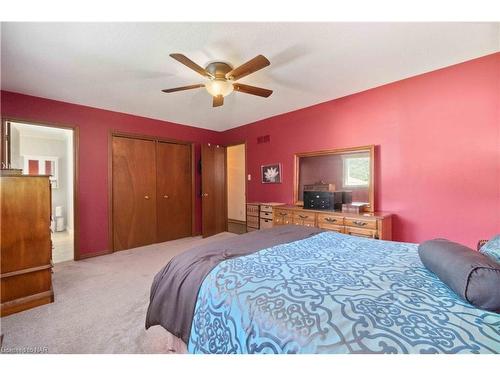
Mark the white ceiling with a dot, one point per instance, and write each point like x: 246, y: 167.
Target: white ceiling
x: 123, y: 66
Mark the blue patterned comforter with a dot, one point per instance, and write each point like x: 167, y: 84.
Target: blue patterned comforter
x: 334, y: 293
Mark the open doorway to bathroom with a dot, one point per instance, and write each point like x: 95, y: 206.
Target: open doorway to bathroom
x: 49, y: 150
x: 236, y: 188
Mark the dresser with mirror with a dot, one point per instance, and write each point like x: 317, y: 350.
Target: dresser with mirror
x: 350, y: 170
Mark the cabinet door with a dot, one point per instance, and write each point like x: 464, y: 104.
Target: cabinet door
x: 282, y: 217
x: 134, y: 192
x: 213, y: 189
x: 174, y: 192
x: 304, y: 218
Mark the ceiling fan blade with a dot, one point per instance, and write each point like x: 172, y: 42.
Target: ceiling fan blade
x: 247, y: 68
x: 218, y: 101
x: 190, y: 64
x: 183, y: 88
x: 253, y: 90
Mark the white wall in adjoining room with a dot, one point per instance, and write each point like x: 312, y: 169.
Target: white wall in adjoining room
x: 35, y: 146
x: 15, y: 160
x: 40, y: 141
x: 69, y: 180
x: 236, y: 183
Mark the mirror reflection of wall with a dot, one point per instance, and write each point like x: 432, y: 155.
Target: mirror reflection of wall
x: 347, y: 171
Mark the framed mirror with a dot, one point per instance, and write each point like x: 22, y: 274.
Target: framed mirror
x: 347, y: 169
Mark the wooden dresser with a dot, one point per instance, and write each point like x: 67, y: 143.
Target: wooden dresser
x: 26, y: 248
x: 373, y: 225
x: 260, y: 215
x: 253, y: 212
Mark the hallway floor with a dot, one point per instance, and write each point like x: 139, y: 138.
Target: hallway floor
x: 63, y: 245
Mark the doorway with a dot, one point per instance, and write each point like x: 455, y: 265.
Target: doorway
x: 236, y: 188
x: 49, y: 150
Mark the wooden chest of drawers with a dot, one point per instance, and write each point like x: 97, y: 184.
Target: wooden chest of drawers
x: 373, y: 225
x: 266, y: 216
x: 320, y: 187
x: 253, y: 211
x: 260, y: 215
x: 25, y: 246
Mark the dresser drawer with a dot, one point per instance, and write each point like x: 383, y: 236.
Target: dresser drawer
x: 282, y: 217
x: 266, y: 223
x: 304, y: 223
x: 332, y: 227
x: 304, y: 216
x: 307, y: 219
x: 252, y: 210
x: 266, y: 208
x: 266, y: 215
x: 253, y: 221
x: 361, y: 223
x: 329, y: 219
x: 361, y: 232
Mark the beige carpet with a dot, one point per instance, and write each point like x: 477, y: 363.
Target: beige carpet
x: 100, y: 304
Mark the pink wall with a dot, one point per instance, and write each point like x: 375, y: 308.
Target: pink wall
x: 94, y: 125
x: 437, y: 137
x: 438, y: 145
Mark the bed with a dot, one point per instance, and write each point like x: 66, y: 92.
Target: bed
x: 299, y: 290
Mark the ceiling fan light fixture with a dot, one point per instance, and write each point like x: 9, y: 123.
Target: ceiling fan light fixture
x: 219, y: 86
x: 222, y: 78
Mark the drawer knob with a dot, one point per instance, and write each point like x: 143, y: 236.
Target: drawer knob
x: 282, y: 213
x: 360, y: 223
x: 330, y: 220
x: 303, y: 216
x: 146, y: 197
x: 165, y: 196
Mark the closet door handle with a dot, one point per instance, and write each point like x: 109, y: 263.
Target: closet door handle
x: 205, y: 194
x: 165, y: 196
x: 146, y: 197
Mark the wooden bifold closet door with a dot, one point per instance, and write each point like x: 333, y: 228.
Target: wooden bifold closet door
x: 151, y: 192
x: 173, y: 181
x: 134, y: 193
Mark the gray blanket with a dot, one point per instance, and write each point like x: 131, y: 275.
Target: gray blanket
x: 175, y: 288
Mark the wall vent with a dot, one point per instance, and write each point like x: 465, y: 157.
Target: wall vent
x: 264, y: 139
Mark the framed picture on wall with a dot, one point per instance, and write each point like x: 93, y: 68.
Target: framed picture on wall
x: 42, y: 165
x: 271, y: 173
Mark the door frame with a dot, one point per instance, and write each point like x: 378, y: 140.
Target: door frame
x: 76, y: 163
x: 244, y: 142
x: 117, y: 133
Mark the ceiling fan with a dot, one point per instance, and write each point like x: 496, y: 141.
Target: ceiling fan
x: 221, y: 78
